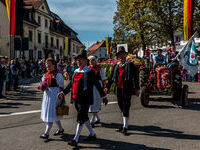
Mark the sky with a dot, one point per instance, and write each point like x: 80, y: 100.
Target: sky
x: 91, y: 19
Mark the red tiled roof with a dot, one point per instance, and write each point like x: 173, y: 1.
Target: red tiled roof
x: 94, y: 47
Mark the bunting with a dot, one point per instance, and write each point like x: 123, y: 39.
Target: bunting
x: 11, y: 10
x: 187, y: 19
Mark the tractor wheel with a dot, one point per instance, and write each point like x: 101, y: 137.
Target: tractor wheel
x: 184, y: 96
x: 142, y: 78
x: 144, y: 97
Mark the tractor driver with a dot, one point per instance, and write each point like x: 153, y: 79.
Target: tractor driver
x: 159, y: 59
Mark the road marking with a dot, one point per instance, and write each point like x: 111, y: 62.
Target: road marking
x: 32, y: 112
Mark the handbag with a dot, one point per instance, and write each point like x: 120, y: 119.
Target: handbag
x: 62, y: 110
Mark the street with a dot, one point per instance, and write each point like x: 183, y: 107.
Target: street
x: 162, y: 126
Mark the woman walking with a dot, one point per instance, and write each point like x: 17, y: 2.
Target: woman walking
x: 101, y: 76
x: 54, y: 83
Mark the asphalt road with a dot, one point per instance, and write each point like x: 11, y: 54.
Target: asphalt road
x: 162, y: 126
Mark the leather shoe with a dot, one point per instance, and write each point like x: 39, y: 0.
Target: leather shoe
x: 73, y: 143
x: 119, y: 130
x: 44, y: 136
x: 124, y: 131
x: 90, y: 138
x: 59, y: 132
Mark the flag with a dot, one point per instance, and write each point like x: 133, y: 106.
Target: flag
x: 188, y: 57
x: 11, y: 10
x: 66, y: 46
x: 107, y: 45
x: 187, y: 13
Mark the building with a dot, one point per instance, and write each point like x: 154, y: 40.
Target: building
x: 4, y: 30
x: 47, y: 32
x: 99, y: 50
x: 44, y: 30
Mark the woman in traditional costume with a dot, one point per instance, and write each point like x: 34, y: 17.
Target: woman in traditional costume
x: 101, y: 75
x: 52, y: 84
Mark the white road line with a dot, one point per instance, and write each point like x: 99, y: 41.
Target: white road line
x: 32, y: 112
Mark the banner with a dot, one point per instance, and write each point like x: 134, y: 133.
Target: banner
x: 107, y: 45
x: 11, y: 10
x: 66, y: 46
x: 188, y: 57
x: 187, y: 13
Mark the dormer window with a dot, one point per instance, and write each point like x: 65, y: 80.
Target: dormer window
x: 43, y: 7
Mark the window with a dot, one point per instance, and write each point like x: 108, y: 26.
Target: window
x: 51, y: 41
x: 46, y: 41
x: 30, y: 54
x: 43, y: 7
x: 39, y: 20
x: 57, y: 43
x: 39, y: 38
x: 30, y: 36
x: 39, y: 54
x: 30, y: 16
x: 46, y: 23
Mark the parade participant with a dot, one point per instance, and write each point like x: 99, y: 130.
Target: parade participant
x: 50, y: 101
x: 101, y: 75
x: 159, y: 59
x: 125, y: 75
x: 82, y: 84
x: 172, y: 57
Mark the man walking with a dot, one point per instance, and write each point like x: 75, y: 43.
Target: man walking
x: 82, y: 84
x: 125, y: 75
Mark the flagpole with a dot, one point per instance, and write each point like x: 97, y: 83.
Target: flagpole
x: 185, y: 44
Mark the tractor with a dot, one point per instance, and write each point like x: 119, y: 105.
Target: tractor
x: 162, y: 80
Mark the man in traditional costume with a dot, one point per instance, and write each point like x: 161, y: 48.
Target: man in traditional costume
x: 82, y: 84
x: 125, y: 75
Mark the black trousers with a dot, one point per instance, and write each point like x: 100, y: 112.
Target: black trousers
x: 15, y: 78
x: 124, y: 101
x: 82, y: 112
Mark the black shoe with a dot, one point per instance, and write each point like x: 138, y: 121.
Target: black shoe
x: 119, y: 130
x: 124, y: 131
x: 73, y: 143
x: 90, y: 138
x: 92, y: 124
x: 44, y: 136
x: 59, y: 132
x: 97, y: 122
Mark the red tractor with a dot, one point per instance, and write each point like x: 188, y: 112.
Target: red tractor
x: 162, y: 81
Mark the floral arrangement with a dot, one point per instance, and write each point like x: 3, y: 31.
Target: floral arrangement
x: 43, y: 86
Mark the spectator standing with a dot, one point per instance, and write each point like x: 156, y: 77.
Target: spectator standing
x: 2, y: 77
x: 6, y: 77
x: 14, y: 72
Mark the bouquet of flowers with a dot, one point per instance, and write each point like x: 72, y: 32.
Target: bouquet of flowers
x: 43, y: 86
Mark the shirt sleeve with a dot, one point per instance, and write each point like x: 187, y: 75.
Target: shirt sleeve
x: 60, y: 80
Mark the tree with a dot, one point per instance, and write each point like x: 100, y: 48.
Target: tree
x: 131, y: 22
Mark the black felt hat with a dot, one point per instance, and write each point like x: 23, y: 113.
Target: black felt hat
x: 121, y: 50
x: 82, y: 54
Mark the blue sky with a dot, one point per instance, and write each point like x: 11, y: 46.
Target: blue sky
x: 91, y: 19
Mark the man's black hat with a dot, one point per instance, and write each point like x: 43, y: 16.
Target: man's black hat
x: 121, y: 50
x: 82, y: 54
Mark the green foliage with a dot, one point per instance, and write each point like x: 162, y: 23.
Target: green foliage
x: 142, y: 23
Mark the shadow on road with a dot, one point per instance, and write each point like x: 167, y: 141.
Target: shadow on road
x: 12, y: 105
x: 105, y: 144
x: 155, y: 131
